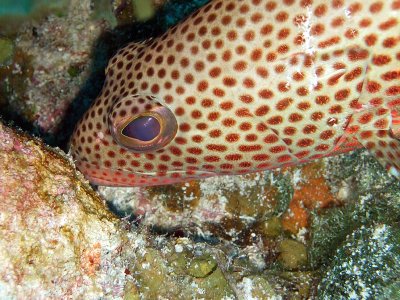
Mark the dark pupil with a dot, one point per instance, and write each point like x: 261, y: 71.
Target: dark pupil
x: 143, y: 128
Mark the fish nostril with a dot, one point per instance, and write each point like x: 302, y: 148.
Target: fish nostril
x: 144, y: 128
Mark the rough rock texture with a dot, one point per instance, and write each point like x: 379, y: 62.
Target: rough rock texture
x: 57, y: 237
x: 236, y: 202
x: 365, y: 267
x: 268, y: 231
x: 58, y: 240
x: 50, y: 64
x: 234, y: 206
x: 285, y: 223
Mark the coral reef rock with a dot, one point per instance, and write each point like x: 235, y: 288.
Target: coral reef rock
x: 367, y: 266
x: 49, y: 63
x: 58, y: 239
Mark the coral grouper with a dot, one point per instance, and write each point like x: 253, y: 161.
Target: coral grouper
x: 243, y: 86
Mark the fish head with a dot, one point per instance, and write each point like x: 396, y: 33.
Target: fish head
x: 243, y: 86
x: 139, y: 145
x: 131, y: 137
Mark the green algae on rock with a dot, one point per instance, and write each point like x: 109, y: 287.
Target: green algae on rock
x: 293, y: 254
x: 215, y: 286
x: 299, y: 285
x: 391, y: 291
x: 257, y: 287
x: 143, y: 9
x: 272, y: 227
x: 150, y: 269
x: 183, y: 275
x: 365, y: 266
x: 368, y: 196
x: 331, y: 228
x: 6, y: 51
x: 357, y: 173
x: 201, y: 267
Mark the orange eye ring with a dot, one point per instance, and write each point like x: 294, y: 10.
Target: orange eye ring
x: 150, y: 128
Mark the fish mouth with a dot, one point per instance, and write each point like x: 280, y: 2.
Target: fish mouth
x: 104, y: 182
x: 126, y: 178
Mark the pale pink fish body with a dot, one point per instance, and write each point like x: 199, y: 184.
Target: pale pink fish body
x: 243, y: 86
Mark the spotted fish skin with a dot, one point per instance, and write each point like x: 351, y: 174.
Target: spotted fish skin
x: 253, y: 85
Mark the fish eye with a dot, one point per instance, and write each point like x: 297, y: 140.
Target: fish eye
x: 143, y: 128
x: 151, y: 127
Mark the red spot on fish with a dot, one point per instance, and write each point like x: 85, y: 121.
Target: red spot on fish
x: 249, y: 148
x: 381, y: 60
x: 388, y: 24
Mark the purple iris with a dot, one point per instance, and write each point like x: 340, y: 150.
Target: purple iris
x: 143, y: 128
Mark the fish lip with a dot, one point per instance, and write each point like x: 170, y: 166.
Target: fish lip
x: 155, y: 174
x: 104, y: 182
x: 145, y: 175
